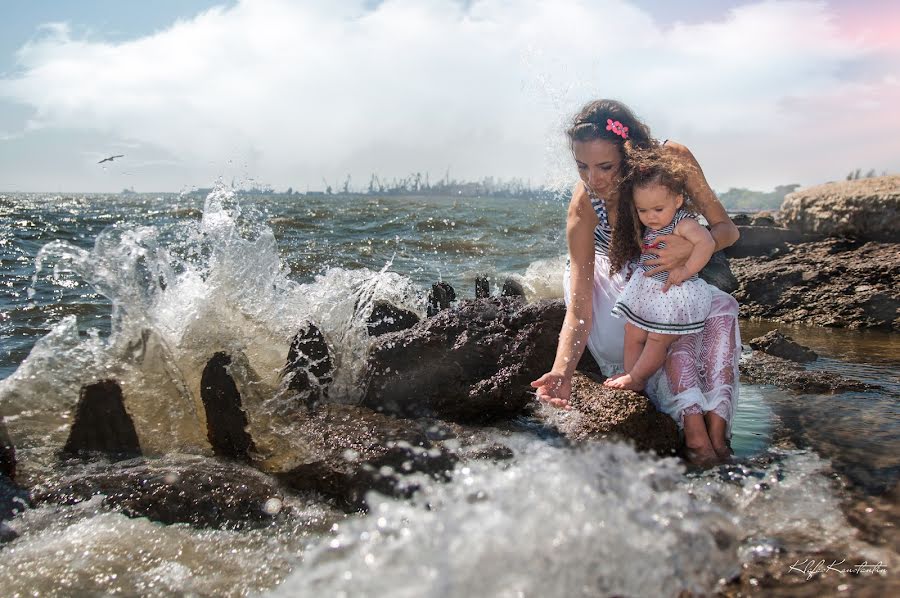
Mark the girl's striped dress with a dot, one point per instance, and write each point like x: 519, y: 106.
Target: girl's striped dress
x: 682, y: 309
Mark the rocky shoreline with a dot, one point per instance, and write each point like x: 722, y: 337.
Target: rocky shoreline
x: 440, y: 391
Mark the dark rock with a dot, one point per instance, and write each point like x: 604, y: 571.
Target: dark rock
x: 440, y: 297
x: 355, y: 450
x: 768, y: 369
x: 763, y: 219
x: 775, y: 343
x: 7, y: 453
x: 202, y: 492
x: 599, y: 412
x: 226, y: 421
x: 512, y: 288
x: 387, y: 317
x: 588, y: 365
x: 101, y: 422
x: 309, y: 365
x: 13, y: 500
x: 471, y: 363
x: 482, y: 287
x: 742, y: 219
x: 718, y: 273
x: 764, y: 240
x: 832, y: 282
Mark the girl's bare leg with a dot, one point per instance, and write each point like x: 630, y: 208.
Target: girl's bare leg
x: 715, y: 427
x: 634, y: 344
x: 651, y: 358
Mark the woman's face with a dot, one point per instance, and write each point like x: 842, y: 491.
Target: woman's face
x: 598, y: 163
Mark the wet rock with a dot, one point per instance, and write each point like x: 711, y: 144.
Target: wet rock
x: 760, y: 240
x: 440, y: 297
x: 718, y: 273
x: 202, y: 492
x: 832, y: 282
x: 101, y: 422
x: 865, y: 209
x: 775, y: 343
x: 512, y: 288
x: 226, y: 421
x: 768, y: 369
x: 13, y: 500
x: 309, y: 366
x: 473, y: 363
x: 599, y: 412
x: 482, y: 287
x: 7, y: 453
x: 351, y: 450
x: 742, y: 219
x: 387, y: 317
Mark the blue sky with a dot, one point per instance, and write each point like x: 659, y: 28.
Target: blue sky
x: 291, y: 93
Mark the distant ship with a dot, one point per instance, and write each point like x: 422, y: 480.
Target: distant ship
x: 128, y: 192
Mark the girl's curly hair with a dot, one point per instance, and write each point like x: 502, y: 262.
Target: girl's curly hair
x: 641, y: 167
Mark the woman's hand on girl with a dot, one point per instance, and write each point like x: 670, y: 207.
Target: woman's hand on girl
x: 674, y: 254
x: 554, y: 389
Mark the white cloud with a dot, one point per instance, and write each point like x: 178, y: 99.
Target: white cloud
x: 299, y: 91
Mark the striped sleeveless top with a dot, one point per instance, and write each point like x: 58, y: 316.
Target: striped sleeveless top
x: 649, y: 238
x: 602, y: 232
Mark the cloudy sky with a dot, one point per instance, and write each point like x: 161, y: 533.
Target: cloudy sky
x: 295, y: 93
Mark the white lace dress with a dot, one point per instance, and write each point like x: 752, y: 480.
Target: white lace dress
x: 701, y: 370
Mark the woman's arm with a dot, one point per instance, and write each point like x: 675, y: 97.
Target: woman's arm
x: 703, y: 247
x: 722, y: 229
x: 555, y: 386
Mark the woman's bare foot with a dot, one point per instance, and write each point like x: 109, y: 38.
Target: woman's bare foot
x: 625, y: 382
x: 724, y: 452
x: 703, y: 458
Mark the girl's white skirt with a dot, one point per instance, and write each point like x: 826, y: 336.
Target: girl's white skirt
x: 682, y: 309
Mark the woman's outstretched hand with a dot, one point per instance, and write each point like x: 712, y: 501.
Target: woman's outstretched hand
x: 674, y: 254
x: 554, y: 389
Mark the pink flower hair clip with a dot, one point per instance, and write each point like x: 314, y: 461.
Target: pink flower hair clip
x: 617, y: 128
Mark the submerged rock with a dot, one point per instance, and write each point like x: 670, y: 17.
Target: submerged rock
x: 761, y: 368
x: 226, y: 420
x: 7, y: 453
x: 199, y: 491
x: 832, y: 282
x: 101, y: 422
x: 775, y: 343
x: 473, y: 363
x: 351, y: 450
x: 387, y: 317
x: 599, y: 412
x: 865, y: 209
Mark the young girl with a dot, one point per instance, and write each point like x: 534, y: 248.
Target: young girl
x: 657, y: 308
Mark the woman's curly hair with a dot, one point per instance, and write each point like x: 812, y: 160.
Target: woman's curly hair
x: 641, y: 167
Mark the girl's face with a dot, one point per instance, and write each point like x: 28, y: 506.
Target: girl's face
x: 598, y: 164
x: 656, y: 205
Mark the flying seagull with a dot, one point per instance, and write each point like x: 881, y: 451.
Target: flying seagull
x: 111, y: 158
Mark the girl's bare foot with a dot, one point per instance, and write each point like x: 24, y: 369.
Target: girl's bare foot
x: 625, y: 382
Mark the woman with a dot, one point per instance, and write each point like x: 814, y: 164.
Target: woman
x: 698, y: 384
